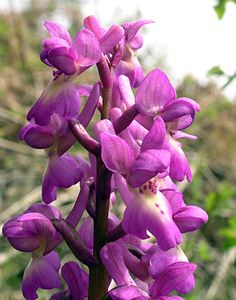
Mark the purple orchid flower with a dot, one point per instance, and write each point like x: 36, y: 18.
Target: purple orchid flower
x: 61, y: 96
x: 33, y: 232
x: 49, y: 129
x: 30, y: 232
x: 170, y: 271
x: 157, y: 97
x: 170, y: 275
x: 63, y: 170
x: 69, y: 56
x: 126, y: 62
x: 129, y: 64
x: 147, y: 208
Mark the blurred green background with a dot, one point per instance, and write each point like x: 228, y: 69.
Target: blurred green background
x: 213, y: 157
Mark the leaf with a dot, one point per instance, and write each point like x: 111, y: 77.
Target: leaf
x: 220, y: 9
x: 216, y: 70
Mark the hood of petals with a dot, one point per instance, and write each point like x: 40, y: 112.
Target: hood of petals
x: 154, y: 92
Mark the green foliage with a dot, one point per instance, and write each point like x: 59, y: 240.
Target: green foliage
x: 215, y: 71
x: 220, y: 7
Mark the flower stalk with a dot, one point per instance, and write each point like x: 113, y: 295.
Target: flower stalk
x: 98, y: 276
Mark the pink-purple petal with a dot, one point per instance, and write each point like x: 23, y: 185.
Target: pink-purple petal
x: 133, y: 28
x: 104, y: 125
x: 111, y: 38
x: 155, y: 137
x: 62, y: 172
x: 57, y: 30
x: 173, y: 277
x: 154, y: 213
x: 179, y: 166
x: 175, y: 199
x: 177, y: 109
x: 90, y: 105
x: 93, y: 24
x: 112, y: 258
x: 87, y: 47
x: 76, y: 279
x: 34, y: 275
x: 126, y: 90
x: 61, y: 97
x: 63, y: 59
x: 190, y: 218
x: 39, y: 137
x: 128, y: 292
x: 116, y: 153
x: 147, y: 165
x: 154, y: 93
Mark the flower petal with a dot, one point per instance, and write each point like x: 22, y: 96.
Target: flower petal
x: 25, y: 231
x: 47, y: 210
x: 93, y: 24
x: 116, y: 153
x: 183, y: 135
x: 57, y: 30
x: 147, y: 165
x: 61, y: 97
x: 179, y: 111
x: 173, y: 277
x: 85, y: 232
x: 87, y: 48
x: 104, y: 125
x: 62, y: 172
x: 175, y: 199
x: 112, y: 258
x: 39, y: 137
x: 179, y: 166
x: 155, y: 137
x: 153, y: 213
x: 128, y: 292
x: 133, y: 28
x: 34, y: 275
x: 111, y: 38
x: 76, y: 279
x: 63, y: 59
x: 54, y: 42
x: 154, y: 93
x: 126, y: 90
x: 160, y: 260
x: 90, y: 105
x: 190, y: 218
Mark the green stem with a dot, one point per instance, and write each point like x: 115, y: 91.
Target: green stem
x: 98, y: 277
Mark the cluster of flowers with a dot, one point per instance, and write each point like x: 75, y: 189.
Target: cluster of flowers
x: 136, y: 142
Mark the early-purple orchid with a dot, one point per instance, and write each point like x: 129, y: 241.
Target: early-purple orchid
x: 127, y: 224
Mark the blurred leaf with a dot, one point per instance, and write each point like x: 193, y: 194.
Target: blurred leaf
x: 220, y: 9
x: 216, y: 70
x: 204, y: 251
x: 229, y: 233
